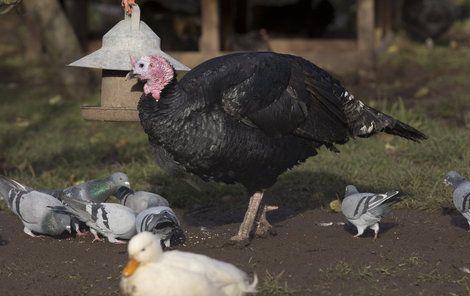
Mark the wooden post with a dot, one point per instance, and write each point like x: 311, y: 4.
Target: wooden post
x: 366, y: 38
x: 210, y: 38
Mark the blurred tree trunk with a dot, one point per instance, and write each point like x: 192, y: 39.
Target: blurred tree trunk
x: 76, y: 11
x: 60, y: 43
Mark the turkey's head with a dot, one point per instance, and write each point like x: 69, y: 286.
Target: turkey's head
x: 155, y: 71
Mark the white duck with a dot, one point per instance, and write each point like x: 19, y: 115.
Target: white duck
x: 150, y: 271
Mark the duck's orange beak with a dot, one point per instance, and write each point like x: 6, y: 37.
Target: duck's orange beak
x: 130, y: 268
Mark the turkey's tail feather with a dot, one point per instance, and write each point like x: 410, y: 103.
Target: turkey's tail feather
x: 364, y: 121
x: 403, y: 130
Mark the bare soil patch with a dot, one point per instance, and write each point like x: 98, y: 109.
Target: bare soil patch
x: 417, y: 252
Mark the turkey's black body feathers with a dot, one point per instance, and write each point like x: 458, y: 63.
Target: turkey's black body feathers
x: 248, y: 117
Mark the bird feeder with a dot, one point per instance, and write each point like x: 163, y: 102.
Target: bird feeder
x: 119, y: 97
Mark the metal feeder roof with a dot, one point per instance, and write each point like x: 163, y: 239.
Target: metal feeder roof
x: 129, y: 37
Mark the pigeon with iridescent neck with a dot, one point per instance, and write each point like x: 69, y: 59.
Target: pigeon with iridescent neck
x: 98, y: 190
x: 33, y: 208
x: 112, y: 220
x: 461, y: 195
x: 365, y: 210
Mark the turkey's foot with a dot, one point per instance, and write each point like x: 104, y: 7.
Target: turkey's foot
x: 264, y: 227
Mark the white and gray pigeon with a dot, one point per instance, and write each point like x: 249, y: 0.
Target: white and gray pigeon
x: 33, y: 208
x: 365, y: 210
x: 112, y: 220
x: 140, y: 200
x: 162, y: 222
x: 461, y: 195
x: 98, y: 190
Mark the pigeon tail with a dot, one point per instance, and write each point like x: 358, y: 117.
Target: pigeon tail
x: 77, y: 208
x: 364, y: 121
x: 7, y: 184
x: 75, y: 204
x: 392, y: 198
x: 383, y: 204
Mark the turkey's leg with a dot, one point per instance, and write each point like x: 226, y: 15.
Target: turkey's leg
x: 251, y: 216
x: 264, y: 227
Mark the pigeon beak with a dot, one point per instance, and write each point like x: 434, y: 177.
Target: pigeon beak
x: 130, y: 75
x: 447, y: 183
x: 128, y: 184
x: 130, y: 268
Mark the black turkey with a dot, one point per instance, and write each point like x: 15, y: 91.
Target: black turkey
x: 248, y: 117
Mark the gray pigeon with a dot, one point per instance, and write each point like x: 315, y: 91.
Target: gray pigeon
x: 365, y: 210
x: 109, y: 219
x: 98, y: 190
x: 140, y: 200
x: 162, y: 222
x: 461, y: 195
x: 33, y: 208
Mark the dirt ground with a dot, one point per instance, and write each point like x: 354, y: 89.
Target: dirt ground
x: 416, y: 253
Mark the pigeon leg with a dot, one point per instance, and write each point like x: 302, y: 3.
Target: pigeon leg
x: 264, y: 227
x: 375, y: 228
x: 116, y: 241
x: 95, y: 234
x: 360, y: 231
x: 80, y: 233
x: 252, y: 214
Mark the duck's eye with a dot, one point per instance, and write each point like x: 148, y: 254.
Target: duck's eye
x: 141, y: 65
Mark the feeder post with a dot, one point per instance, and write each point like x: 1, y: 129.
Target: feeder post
x: 210, y: 38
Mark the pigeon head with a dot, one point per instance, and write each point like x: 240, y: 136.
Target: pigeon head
x: 143, y: 248
x: 155, y: 71
x: 453, y: 178
x: 120, y: 180
x: 165, y: 226
x: 58, y: 223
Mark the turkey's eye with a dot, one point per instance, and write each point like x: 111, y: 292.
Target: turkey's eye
x: 141, y: 65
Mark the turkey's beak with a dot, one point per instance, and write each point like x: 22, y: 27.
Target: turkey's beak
x: 130, y: 75
x: 130, y: 268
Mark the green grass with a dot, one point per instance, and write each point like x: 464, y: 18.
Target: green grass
x: 45, y: 143
x: 434, y: 81
x: 387, y: 276
x: 273, y: 285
